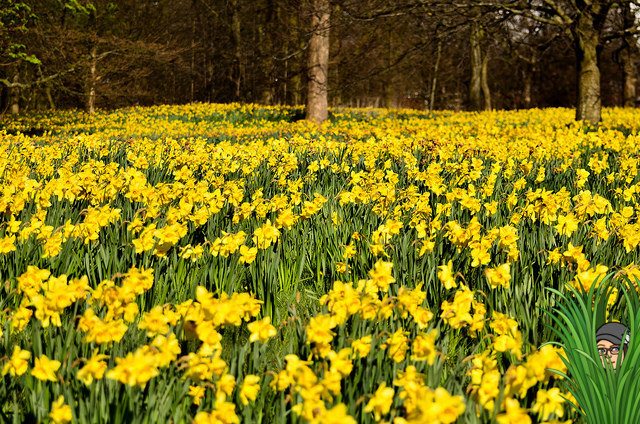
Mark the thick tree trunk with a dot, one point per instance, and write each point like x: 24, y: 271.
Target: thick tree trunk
x: 527, y: 77
x: 475, y: 89
x: 390, y: 95
x: 318, y: 63
x: 486, y: 93
x: 629, y: 77
x: 587, y: 54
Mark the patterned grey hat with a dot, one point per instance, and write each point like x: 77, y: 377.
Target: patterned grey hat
x: 613, y: 332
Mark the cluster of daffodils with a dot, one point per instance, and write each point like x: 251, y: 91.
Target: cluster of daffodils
x: 315, y: 382
x: 220, y: 263
x: 111, y: 311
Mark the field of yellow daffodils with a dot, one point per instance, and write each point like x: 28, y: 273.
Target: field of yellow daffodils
x: 228, y: 263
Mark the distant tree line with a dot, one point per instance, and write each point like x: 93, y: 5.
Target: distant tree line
x: 425, y: 54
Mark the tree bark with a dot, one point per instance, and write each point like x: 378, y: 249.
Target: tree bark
x: 336, y: 97
x: 486, y: 93
x: 432, y: 96
x: 527, y: 76
x: 237, y: 42
x: 475, y: 89
x: 526, y: 90
x: 91, y: 96
x: 629, y: 77
x: 389, y: 94
x: 14, y: 95
x: 265, y: 48
x: 628, y: 56
x: 389, y: 89
x: 296, y: 89
x: 193, y: 56
x: 587, y: 53
x: 318, y: 63
x: 47, y: 90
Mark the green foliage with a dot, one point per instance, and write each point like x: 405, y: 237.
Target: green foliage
x: 15, y: 18
x: 603, y: 394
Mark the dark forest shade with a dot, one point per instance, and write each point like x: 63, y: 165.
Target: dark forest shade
x: 432, y: 54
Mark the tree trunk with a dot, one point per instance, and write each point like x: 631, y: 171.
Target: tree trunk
x: 267, y: 68
x: 527, y: 77
x: 285, y: 93
x: 432, y: 97
x: 389, y: 95
x: 629, y: 77
x: 587, y: 54
x: 486, y: 93
x: 14, y: 95
x: 237, y: 42
x: 526, y: 90
x: 91, y: 97
x: 389, y: 89
x: 47, y: 90
x: 318, y: 63
x: 193, y: 57
x: 475, y: 89
x: 628, y: 60
x: 336, y: 97
x: 296, y: 90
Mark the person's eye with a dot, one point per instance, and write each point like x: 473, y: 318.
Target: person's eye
x: 602, y: 351
x: 615, y: 350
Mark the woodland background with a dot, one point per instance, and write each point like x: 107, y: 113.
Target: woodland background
x: 423, y: 54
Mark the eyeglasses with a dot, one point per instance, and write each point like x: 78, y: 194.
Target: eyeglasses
x: 613, y: 350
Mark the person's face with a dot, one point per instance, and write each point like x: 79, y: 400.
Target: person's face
x: 606, y: 349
